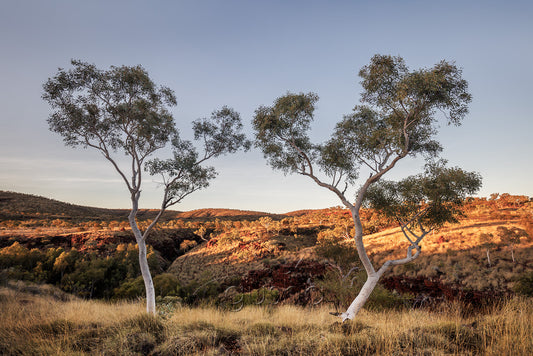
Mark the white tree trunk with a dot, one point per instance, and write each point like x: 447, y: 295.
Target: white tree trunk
x: 373, y: 276
x: 361, y: 298
x: 147, y: 277
x: 143, y: 261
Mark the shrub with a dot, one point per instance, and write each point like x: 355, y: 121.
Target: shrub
x: 166, y: 284
x: 131, y: 288
x: 524, y: 284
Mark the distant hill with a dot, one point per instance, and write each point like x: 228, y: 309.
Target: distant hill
x: 20, y: 206
x: 222, y: 213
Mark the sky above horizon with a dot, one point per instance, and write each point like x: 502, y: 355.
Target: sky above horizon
x: 244, y: 54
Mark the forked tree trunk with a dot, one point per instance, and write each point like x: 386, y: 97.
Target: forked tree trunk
x: 373, y: 276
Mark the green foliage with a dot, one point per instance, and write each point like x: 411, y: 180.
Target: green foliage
x: 166, y: 284
x: 383, y: 299
x: 330, y: 245
x: 95, y: 106
x: 221, y: 132
x: 281, y: 130
x: 130, y: 289
x: 339, y: 287
x: 524, y: 284
x: 397, y: 119
x: 18, y: 255
x: 205, y: 289
x: 84, y: 274
x: 433, y: 197
x: 389, y: 85
x: 261, y: 296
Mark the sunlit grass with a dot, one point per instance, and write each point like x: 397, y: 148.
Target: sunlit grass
x: 44, y: 325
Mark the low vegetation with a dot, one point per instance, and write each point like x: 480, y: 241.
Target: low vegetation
x: 41, y: 320
x: 267, y: 285
x: 489, y: 251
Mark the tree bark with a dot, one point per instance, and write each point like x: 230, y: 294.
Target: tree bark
x: 373, y: 276
x: 143, y: 261
x: 361, y: 298
x: 147, y: 278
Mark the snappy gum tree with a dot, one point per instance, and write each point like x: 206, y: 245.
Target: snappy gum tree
x: 397, y: 119
x: 121, y: 110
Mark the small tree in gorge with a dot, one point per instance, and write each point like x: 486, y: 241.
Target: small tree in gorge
x: 397, y: 119
x: 122, y: 110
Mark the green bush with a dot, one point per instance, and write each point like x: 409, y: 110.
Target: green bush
x: 85, y: 274
x: 166, y: 284
x: 261, y: 296
x: 130, y: 289
x: 524, y: 284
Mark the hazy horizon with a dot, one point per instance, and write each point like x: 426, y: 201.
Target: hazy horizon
x: 245, y: 54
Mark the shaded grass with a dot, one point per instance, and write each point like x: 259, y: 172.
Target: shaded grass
x: 42, y: 325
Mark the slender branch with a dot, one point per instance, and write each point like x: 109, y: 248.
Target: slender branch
x: 404, y: 108
x: 181, y: 197
x: 345, y: 188
x: 158, y: 216
x: 330, y: 187
x: 362, y: 160
x: 374, y: 178
x: 304, y: 156
x: 105, y: 152
x: 394, y: 109
x: 405, y: 234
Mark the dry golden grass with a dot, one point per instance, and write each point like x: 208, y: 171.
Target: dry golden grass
x: 43, y: 325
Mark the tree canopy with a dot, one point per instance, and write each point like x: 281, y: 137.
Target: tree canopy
x: 398, y: 117
x: 429, y: 199
x: 123, y: 110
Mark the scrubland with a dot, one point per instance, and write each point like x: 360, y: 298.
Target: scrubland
x: 469, y: 293
x: 42, y: 321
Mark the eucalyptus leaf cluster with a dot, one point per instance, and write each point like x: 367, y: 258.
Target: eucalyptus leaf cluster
x: 431, y: 198
x: 116, y: 109
x: 397, y: 117
x: 281, y: 131
x: 123, y: 110
x: 221, y: 133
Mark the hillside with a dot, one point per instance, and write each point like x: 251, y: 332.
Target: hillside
x: 91, y: 252
x: 486, y: 251
x: 19, y: 206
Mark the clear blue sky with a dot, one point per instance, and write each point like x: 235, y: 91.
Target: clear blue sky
x: 246, y: 53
